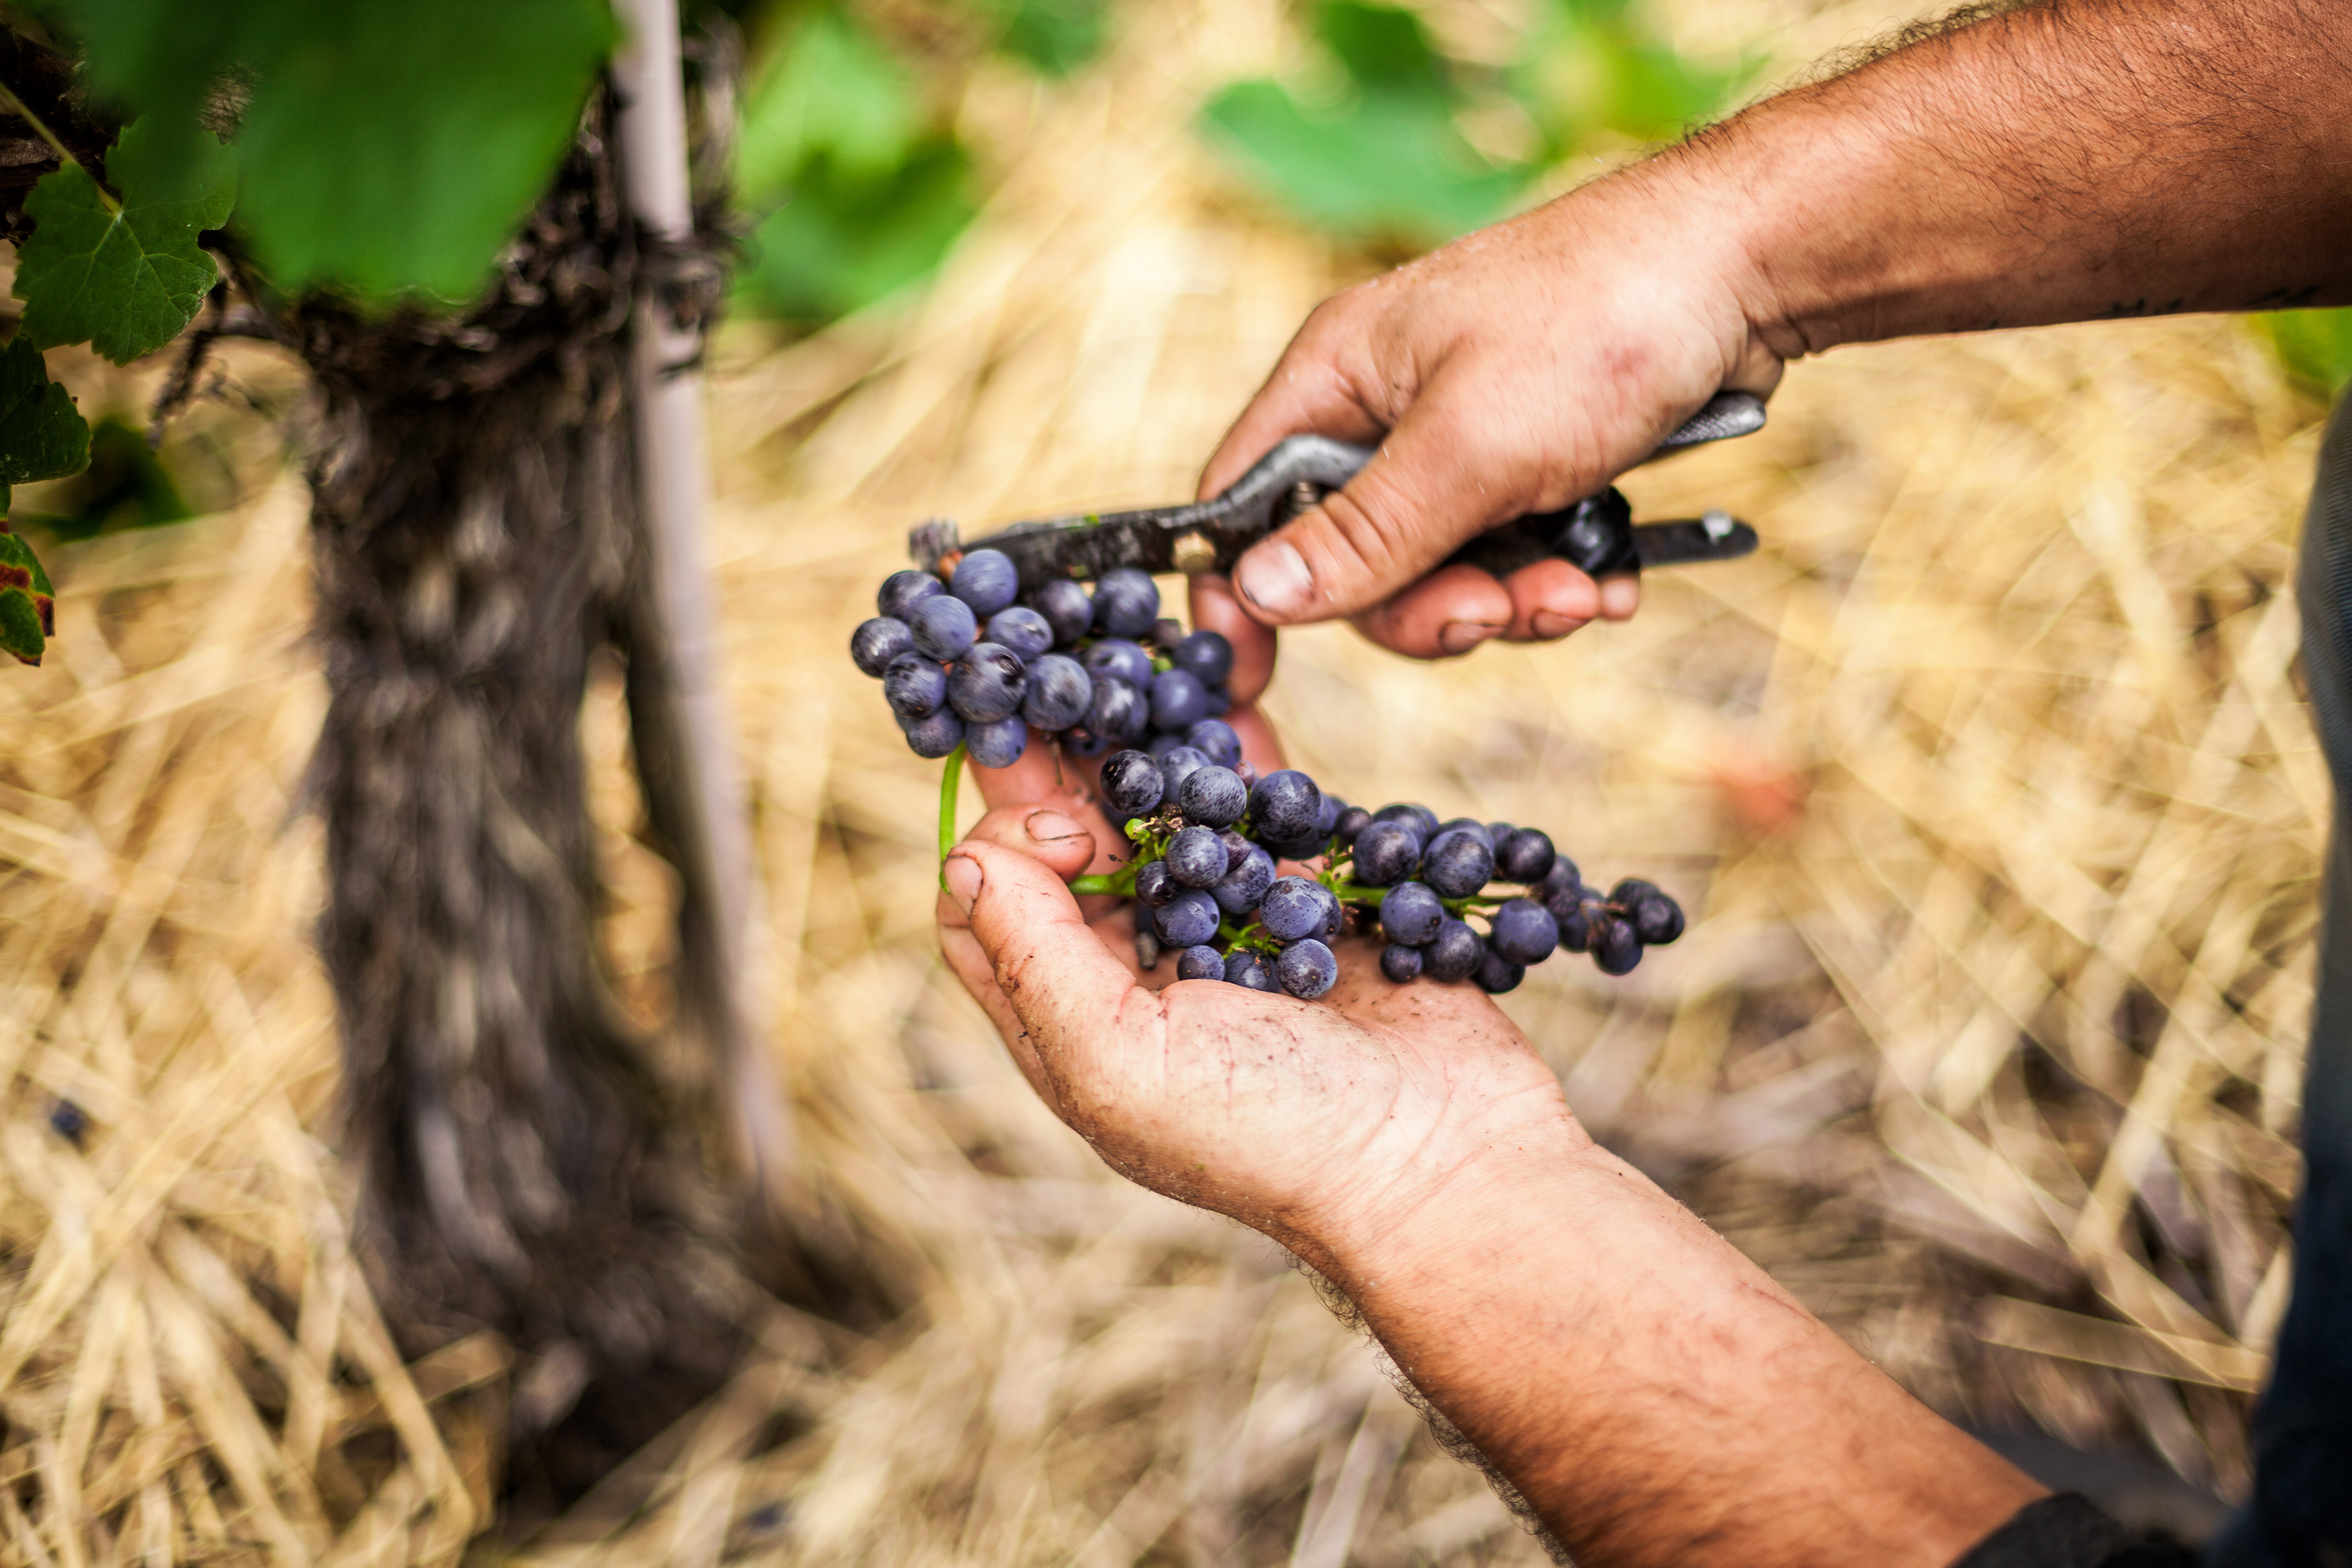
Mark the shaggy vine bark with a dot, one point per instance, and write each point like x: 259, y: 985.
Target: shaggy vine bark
x: 477, y: 542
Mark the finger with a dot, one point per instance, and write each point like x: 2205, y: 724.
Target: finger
x: 1066, y: 989
x: 1064, y: 845
x: 1306, y: 394
x: 1044, y: 775
x: 1436, y: 480
x: 1215, y: 608
x: 1549, y: 600
x: 1442, y: 616
x: 1619, y: 597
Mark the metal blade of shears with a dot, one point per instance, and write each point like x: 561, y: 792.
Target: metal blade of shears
x: 1596, y: 534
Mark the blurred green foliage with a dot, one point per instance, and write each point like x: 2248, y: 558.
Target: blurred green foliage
x: 2315, y: 346
x: 126, y: 485
x: 386, y: 148
x: 855, y: 191
x: 1379, y: 154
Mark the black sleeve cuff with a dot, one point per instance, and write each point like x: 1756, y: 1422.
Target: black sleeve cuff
x: 2068, y: 1532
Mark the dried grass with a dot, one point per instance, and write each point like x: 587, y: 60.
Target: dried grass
x: 1988, y: 783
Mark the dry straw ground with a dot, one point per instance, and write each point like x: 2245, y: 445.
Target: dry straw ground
x: 1986, y: 783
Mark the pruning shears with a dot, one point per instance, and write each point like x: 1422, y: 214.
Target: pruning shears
x: 1597, y: 535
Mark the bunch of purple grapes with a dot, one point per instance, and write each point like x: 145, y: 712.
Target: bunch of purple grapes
x: 962, y: 665
x: 1209, y: 838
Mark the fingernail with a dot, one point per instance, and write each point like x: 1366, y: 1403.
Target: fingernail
x: 1050, y: 827
x: 1552, y: 623
x: 963, y: 878
x: 1274, y: 578
x: 1461, y: 636
x: 1619, y: 597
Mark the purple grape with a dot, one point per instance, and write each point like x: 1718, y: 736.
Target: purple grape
x: 1197, y: 858
x: 1243, y: 886
x: 1468, y: 825
x: 1351, y: 822
x: 878, y: 642
x: 998, y: 743
x: 1423, y: 819
x: 943, y: 628
x: 1127, y: 661
x: 1187, y: 920
x: 1454, y: 953
x: 1335, y: 914
x: 1410, y: 914
x: 1657, y: 920
x: 1068, y: 608
x: 1081, y: 741
x: 914, y: 686
x: 1290, y: 912
x: 1221, y: 702
x: 1212, y: 796
x: 1616, y: 947
x: 1574, y: 917
x: 1024, y: 631
x: 1524, y: 855
x: 1457, y: 862
x: 1153, y: 885
x: 934, y: 735
x: 1386, y: 853
x: 1117, y: 713
x: 1307, y: 969
x: 1496, y: 973
x: 986, y: 580
x: 1284, y: 805
x: 1246, y: 969
x: 1400, y: 963
x: 1215, y: 739
x: 1176, y: 764
x: 902, y: 591
x: 1178, y: 701
x: 1522, y: 932
x: 987, y: 684
x: 1131, y: 783
x: 1207, y: 656
x: 1561, y: 878
x: 1127, y: 602
x: 1167, y: 632
x: 1057, y: 693
x: 1200, y: 964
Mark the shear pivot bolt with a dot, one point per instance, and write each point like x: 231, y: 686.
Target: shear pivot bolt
x: 1717, y: 522
x: 1193, y: 554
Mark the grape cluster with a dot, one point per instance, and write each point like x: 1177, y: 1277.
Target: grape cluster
x: 1210, y: 837
x: 962, y: 665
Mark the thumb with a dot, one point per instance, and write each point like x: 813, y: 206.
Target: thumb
x: 1430, y: 486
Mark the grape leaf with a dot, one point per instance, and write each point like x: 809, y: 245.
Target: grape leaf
x: 124, y: 277
x: 41, y: 436
x: 27, y: 601
x: 385, y: 149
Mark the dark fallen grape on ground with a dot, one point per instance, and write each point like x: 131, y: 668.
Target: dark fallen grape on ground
x: 972, y: 663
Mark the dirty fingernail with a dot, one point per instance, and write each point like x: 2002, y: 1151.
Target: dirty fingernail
x: 1552, y: 623
x: 1461, y: 636
x: 1052, y: 827
x: 963, y: 875
x: 1274, y: 578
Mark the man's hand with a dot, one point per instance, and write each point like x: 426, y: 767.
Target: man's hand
x: 1513, y: 371
x: 2058, y: 161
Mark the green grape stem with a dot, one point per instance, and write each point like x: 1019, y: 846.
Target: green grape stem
x: 15, y: 106
x: 950, y: 782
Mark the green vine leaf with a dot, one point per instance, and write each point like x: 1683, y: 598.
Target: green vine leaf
x: 127, y: 275
x: 27, y: 601
x: 41, y: 436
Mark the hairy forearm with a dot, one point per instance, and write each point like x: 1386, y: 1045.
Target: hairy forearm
x: 2070, y: 161
x: 1654, y: 1395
